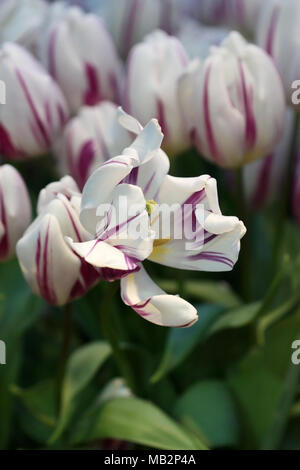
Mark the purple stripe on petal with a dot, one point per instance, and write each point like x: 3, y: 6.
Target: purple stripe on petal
x: 250, y: 127
x: 85, y: 160
x: 4, y: 243
x: 161, y: 116
x: 272, y: 30
x: 42, y: 264
x: 40, y: 125
x: 128, y: 26
x: 207, y: 120
x: 6, y: 146
x: 148, y: 184
x: 212, y: 256
x: 263, y: 183
x: 92, y: 95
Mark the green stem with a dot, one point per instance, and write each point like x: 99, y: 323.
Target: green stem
x: 66, y: 342
x: 109, y: 333
x: 278, y: 427
x: 285, y: 199
x: 245, y: 248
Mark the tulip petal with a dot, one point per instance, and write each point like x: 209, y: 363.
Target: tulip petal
x: 102, y: 255
x: 49, y: 266
x: 153, y: 304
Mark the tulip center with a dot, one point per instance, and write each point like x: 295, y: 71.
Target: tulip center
x: 150, y: 206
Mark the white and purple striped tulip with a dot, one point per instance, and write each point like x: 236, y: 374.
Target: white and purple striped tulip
x: 141, y: 172
x: 15, y: 210
x: 263, y: 177
x: 20, y: 21
x: 52, y: 270
x: 35, y: 108
x: 151, y: 89
x: 131, y: 20
x: 80, y: 55
x: 278, y: 33
x: 89, y: 139
x: 233, y: 103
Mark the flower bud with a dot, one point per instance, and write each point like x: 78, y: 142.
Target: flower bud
x: 89, y: 139
x: 154, y: 68
x: 15, y: 210
x: 130, y: 21
x: 233, y: 103
x: 80, y: 55
x: 35, y: 108
x: 20, y: 21
x: 51, y: 268
x: 278, y: 33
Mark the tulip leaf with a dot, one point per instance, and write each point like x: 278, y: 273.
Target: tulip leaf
x: 236, y: 318
x: 81, y: 368
x: 210, y: 407
x: 134, y: 420
x: 257, y: 390
x: 208, y: 291
x: 180, y: 342
x: 19, y: 309
x: 40, y: 401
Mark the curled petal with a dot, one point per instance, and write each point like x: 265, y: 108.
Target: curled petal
x: 153, y: 304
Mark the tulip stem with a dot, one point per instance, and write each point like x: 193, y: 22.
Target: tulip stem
x: 66, y: 342
x: 109, y: 333
x: 245, y: 250
x: 285, y: 200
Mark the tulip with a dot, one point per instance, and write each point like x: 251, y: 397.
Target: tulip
x: 197, y: 38
x: 130, y: 21
x: 20, y: 21
x: 80, y: 55
x: 233, y: 103
x: 52, y: 270
x: 15, y: 210
x: 89, y: 139
x: 35, y: 108
x: 141, y: 174
x: 263, y: 177
x: 154, y: 68
x: 278, y: 33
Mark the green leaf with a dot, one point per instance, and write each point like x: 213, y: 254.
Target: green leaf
x: 219, y: 293
x: 18, y: 311
x: 81, y: 368
x: 40, y: 402
x: 210, y: 407
x: 134, y: 420
x: 257, y: 390
x: 181, y: 342
x: 236, y: 318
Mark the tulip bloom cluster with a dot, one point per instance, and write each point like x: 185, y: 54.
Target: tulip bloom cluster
x: 87, y: 245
